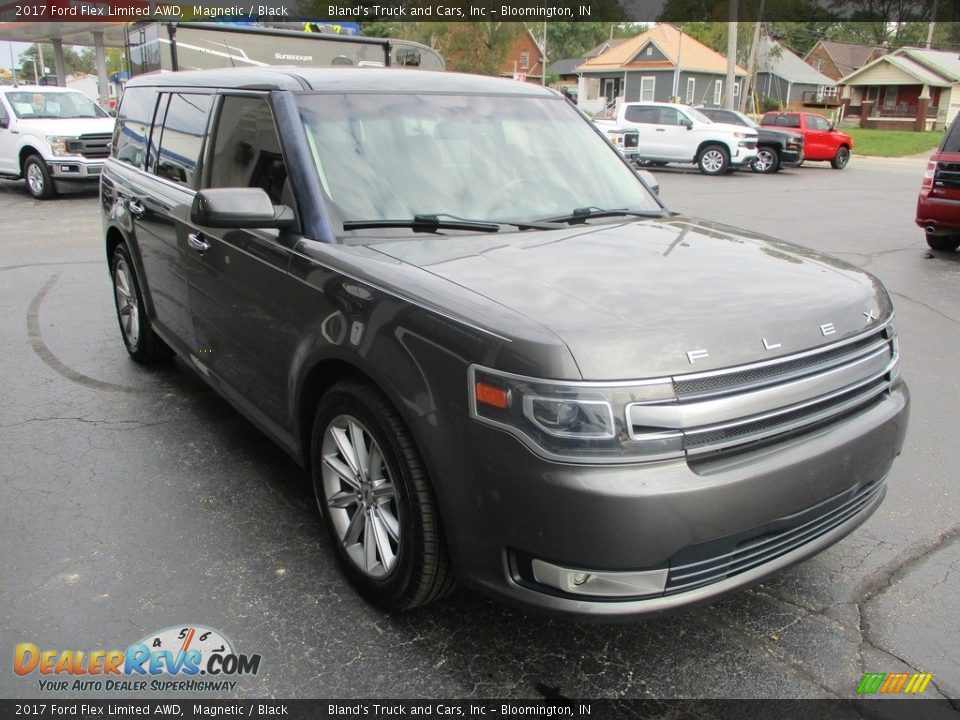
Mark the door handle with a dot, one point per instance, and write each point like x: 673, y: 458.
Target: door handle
x: 198, y: 242
x: 661, y: 129
x: 135, y: 208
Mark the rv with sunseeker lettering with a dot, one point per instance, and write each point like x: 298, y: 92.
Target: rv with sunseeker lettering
x: 156, y: 46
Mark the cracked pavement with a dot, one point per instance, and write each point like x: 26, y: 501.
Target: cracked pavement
x: 134, y: 499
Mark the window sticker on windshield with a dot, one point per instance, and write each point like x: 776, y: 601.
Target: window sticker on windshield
x: 23, y: 108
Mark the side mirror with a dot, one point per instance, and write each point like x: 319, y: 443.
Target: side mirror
x: 241, y: 208
x: 4, y: 122
x: 650, y: 180
x: 688, y: 124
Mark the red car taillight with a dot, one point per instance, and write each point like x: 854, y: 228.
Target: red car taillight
x: 928, y: 175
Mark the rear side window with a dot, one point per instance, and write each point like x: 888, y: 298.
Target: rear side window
x: 246, y: 150
x: 183, y: 130
x: 951, y: 140
x: 641, y: 114
x: 133, y: 125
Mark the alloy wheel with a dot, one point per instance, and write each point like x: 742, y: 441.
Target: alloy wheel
x: 361, y: 495
x: 712, y: 161
x: 35, y: 179
x: 127, y: 309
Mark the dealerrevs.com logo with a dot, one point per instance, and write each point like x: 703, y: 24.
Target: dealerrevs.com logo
x: 183, y: 658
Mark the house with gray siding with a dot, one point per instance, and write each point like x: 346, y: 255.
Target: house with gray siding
x: 661, y: 64
x: 785, y: 78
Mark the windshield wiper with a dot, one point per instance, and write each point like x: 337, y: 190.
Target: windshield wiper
x: 587, y: 213
x: 446, y: 221
x: 423, y: 223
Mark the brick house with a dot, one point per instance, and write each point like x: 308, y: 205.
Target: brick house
x: 524, y: 58
x: 838, y: 59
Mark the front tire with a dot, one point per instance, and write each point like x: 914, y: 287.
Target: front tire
x: 946, y: 243
x: 39, y: 182
x: 713, y: 160
x: 841, y: 159
x: 373, y: 492
x: 768, y: 161
x: 142, y: 343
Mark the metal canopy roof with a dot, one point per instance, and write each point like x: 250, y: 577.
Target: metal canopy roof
x: 71, y: 33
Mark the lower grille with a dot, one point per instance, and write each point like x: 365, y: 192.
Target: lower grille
x: 731, y: 556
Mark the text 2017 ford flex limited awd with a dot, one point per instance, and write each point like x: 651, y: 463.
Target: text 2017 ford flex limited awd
x: 501, y: 358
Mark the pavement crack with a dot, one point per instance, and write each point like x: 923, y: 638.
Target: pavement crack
x: 887, y: 576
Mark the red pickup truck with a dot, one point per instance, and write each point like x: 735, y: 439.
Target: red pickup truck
x: 821, y: 141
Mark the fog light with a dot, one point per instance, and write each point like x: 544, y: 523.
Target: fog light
x: 599, y: 582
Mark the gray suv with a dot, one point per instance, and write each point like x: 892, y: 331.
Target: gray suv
x: 500, y: 357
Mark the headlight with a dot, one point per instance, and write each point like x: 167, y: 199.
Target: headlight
x: 60, y: 145
x: 796, y: 140
x: 576, y: 421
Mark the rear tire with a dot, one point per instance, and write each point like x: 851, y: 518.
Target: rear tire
x: 39, y: 182
x: 946, y: 243
x: 713, y: 160
x: 143, y: 344
x: 841, y: 159
x: 373, y: 492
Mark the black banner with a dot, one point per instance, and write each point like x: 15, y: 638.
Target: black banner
x: 912, y: 709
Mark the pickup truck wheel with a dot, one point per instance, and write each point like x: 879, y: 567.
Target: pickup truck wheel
x: 714, y: 160
x: 841, y: 159
x: 376, y: 500
x: 947, y: 243
x: 768, y: 161
x: 143, y: 344
x: 39, y: 182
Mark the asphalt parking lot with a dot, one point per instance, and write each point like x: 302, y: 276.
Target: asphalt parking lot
x: 133, y: 500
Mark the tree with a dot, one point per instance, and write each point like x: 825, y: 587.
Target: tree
x: 474, y: 47
x: 73, y: 61
x: 573, y: 39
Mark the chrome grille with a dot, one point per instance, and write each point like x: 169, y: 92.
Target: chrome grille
x: 738, y: 407
x: 731, y: 556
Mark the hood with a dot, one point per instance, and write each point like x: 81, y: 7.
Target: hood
x: 727, y: 127
x: 632, y: 299
x: 67, y: 127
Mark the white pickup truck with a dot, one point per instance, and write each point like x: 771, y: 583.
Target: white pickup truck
x: 50, y: 136
x: 679, y: 133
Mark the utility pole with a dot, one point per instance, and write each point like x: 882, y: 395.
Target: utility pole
x: 752, y: 63
x: 933, y: 24
x: 544, y: 68
x: 731, y: 55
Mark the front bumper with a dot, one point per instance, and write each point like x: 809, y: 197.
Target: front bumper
x: 72, y: 169
x: 504, y: 507
x: 743, y: 156
x: 791, y: 158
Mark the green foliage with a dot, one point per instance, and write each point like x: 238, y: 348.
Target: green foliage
x: 73, y: 61
x: 769, y: 103
x: 573, y: 39
x: 892, y: 143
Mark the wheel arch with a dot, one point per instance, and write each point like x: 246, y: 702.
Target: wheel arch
x: 25, y: 152
x: 707, y: 143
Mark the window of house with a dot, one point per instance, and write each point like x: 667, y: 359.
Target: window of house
x: 649, y: 49
x: 647, y: 87
x: 736, y: 90
x: 246, y: 150
x: 183, y: 129
x: 691, y: 90
x: 524, y: 60
x: 717, y: 92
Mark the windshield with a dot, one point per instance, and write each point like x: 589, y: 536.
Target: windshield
x: 697, y: 115
x: 477, y: 157
x: 44, y: 104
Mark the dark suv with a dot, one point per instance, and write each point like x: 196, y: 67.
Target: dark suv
x: 500, y: 363
x: 938, y: 207
x: 775, y: 148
